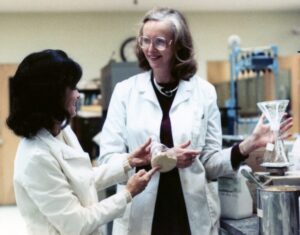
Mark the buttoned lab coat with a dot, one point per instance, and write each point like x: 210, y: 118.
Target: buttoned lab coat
x: 55, y: 187
x: 134, y: 115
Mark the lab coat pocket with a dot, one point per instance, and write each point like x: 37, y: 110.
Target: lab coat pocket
x: 199, y: 128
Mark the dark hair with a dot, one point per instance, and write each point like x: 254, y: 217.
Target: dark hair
x: 38, y: 91
x: 183, y: 64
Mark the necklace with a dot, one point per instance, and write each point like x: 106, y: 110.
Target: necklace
x: 164, y: 91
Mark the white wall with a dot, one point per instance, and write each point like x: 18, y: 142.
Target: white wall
x: 91, y: 38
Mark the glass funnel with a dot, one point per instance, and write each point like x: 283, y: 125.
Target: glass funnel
x: 275, y: 154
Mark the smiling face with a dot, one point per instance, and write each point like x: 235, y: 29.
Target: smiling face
x: 158, y: 59
x: 72, y: 96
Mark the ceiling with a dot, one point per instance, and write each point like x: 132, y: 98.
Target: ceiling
x: 144, y: 5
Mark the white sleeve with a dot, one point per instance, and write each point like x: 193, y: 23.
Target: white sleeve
x: 113, y: 141
x: 109, y: 174
x: 215, y: 160
x: 52, y: 193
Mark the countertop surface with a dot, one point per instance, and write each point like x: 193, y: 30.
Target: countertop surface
x: 247, y: 226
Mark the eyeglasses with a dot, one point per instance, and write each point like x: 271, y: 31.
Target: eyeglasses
x: 159, y: 43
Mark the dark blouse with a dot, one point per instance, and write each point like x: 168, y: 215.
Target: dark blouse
x: 170, y: 216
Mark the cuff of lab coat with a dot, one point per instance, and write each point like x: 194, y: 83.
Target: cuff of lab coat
x: 126, y: 165
x: 128, y: 196
x: 227, y: 159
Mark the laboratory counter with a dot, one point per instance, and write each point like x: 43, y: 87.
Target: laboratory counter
x: 247, y: 226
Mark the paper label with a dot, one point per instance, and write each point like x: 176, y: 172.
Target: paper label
x: 270, y: 147
x: 259, y: 213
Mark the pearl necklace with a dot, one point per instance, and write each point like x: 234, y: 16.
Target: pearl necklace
x: 162, y: 90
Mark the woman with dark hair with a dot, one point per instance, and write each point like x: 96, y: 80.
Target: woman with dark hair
x: 54, y: 181
x: 173, y: 106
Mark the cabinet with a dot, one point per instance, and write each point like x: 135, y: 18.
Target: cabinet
x: 8, y: 141
x: 113, y: 73
x: 85, y: 129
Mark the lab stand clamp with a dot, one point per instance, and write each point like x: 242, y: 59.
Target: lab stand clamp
x: 256, y: 60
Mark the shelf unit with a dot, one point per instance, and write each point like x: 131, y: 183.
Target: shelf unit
x: 89, y: 95
x: 218, y: 73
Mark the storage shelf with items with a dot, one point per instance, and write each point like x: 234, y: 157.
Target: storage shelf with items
x: 90, y: 92
x: 264, y: 87
x: 90, y: 96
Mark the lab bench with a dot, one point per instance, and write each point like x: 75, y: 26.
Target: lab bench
x: 247, y: 226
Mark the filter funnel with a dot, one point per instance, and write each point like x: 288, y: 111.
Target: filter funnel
x: 275, y: 159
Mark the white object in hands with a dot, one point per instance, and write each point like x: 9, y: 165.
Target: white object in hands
x: 162, y: 157
x: 164, y: 161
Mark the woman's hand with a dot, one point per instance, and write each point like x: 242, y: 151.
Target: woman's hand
x: 262, y: 134
x: 185, y: 157
x: 138, y: 182
x: 141, y: 156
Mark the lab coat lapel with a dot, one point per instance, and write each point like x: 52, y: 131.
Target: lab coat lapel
x: 145, y: 88
x: 183, y: 93
x: 75, y: 164
x: 54, y: 144
x: 58, y: 148
x: 71, y: 138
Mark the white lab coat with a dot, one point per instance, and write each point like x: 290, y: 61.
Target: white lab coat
x: 134, y: 115
x: 55, y: 187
